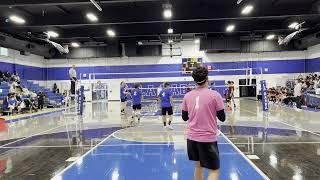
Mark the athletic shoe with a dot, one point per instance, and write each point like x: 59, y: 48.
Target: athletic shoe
x: 164, y: 128
x: 170, y: 127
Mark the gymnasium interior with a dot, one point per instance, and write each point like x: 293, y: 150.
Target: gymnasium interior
x: 63, y: 65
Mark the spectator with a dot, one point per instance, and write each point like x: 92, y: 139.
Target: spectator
x: 15, y: 77
x: 297, y: 93
x: 12, y: 102
x: 25, y: 91
x: 13, y: 87
x: 1, y: 77
x: 55, y: 88
x: 7, y: 76
x: 41, y: 97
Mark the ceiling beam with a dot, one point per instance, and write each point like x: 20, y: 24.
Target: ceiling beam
x: 164, y: 21
x: 24, y: 11
x: 157, y: 35
x: 2, y: 5
x: 63, y: 9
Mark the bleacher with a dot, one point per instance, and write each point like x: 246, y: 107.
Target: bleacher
x: 49, y: 93
x: 4, y: 90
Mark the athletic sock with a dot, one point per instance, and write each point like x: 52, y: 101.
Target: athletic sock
x: 169, y: 123
x: 165, y: 123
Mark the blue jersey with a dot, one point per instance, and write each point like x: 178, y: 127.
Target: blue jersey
x: 165, y: 95
x: 122, y: 93
x: 136, y: 95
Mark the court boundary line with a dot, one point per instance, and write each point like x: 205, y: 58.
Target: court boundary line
x: 314, y: 133
x: 37, y: 134
x: 58, y: 175
x: 259, y: 171
x: 35, y: 115
x: 149, y: 144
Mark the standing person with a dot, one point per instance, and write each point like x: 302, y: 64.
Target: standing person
x: 1, y: 76
x: 165, y: 97
x: 212, y: 86
x: 297, y: 93
x: 159, y: 89
x: 41, y: 97
x: 232, y: 93
x: 55, y: 88
x: 200, y: 108
x: 123, y: 96
x: 136, y: 95
x: 73, y: 79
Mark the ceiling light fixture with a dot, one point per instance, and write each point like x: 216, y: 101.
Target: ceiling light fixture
x: 74, y: 44
x: 247, y: 10
x: 140, y: 43
x: 293, y: 25
x: 92, y: 17
x: 17, y: 19
x: 197, y: 41
x: 230, y: 28
x: 170, y: 30
x: 167, y: 13
x: 170, y: 41
x: 111, y: 33
x: 96, y: 5
x: 270, y: 36
x: 53, y: 34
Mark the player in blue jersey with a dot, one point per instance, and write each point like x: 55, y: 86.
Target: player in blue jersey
x: 166, y: 102
x: 123, y: 96
x: 136, y: 95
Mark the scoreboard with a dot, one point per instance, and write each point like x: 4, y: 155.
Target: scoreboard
x: 189, y: 64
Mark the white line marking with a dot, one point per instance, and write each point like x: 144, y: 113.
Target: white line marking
x: 150, y: 144
x: 40, y: 133
x: 246, y: 158
x: 149, y: 154
x: 59, y: 175
x: 285, y: 123
x: 72, y: 159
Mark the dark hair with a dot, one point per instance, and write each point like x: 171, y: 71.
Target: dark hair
x: 212, y: 83
x: 200, y: 75
x: 136, y: 85
x: 166, y: 84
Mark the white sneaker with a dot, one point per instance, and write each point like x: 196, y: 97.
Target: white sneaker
x: 170, y: 127
x: 164, y: 128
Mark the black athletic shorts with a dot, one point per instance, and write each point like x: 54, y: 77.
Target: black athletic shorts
x: 206, y: 153
x: 136, y: 107
x: 167, y: 109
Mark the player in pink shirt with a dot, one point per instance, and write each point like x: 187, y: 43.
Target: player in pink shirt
x: 200, y: 108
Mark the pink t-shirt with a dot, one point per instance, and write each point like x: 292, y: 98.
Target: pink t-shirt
x: 202, y: 105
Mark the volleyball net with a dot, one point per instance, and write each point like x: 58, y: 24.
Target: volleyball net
x: 102, y: 85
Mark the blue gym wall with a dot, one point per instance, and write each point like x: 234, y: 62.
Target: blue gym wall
x: 25, y: 72
x: 272, y: 66
x: 61, y: 73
